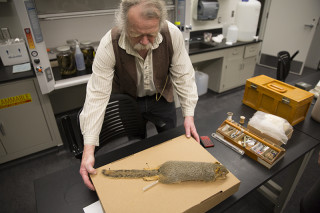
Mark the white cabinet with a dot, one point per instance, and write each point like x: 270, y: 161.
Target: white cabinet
x: 27, y: 123
x: 233, y: 68
x: 228, y: 68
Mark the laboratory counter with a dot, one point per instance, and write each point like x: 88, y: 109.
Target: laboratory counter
x: 195, y: 47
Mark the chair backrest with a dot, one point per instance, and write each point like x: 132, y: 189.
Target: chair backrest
x: 122, y: 118
x: 283, y: 66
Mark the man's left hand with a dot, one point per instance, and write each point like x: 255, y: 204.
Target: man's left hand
x: 191, y: 128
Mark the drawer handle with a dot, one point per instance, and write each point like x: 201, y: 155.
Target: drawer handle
x: 277, y: 88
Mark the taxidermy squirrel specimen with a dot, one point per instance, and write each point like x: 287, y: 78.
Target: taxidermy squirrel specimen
x: 175, y: 172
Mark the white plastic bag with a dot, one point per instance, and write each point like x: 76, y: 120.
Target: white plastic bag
x: 271, y: 125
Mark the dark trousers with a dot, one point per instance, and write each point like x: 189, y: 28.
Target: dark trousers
x: 159, y: 111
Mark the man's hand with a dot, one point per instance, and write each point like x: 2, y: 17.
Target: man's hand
x: 191, y: 128
x: 87, y: 164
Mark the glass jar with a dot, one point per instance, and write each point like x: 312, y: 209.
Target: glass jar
x: 66, y: 61
x: 88, y: 53
x: 72, y: 44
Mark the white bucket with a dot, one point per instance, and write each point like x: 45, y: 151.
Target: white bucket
x: 247, y: 17
x: 202, y: 80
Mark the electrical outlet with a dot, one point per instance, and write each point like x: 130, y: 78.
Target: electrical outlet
x: 5, y: 33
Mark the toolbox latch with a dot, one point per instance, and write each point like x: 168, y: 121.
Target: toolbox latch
x: 285, y: 100
x: 253, y: 86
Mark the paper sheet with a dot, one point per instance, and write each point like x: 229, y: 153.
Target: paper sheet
x: 21, y: 68
x: 94, y: 208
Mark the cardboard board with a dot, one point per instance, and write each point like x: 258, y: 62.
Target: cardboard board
x: 127, y: 195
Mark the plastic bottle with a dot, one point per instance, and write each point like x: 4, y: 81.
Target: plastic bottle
x: 202, y: 80
x: 247, y: 17
x: 79, y: 58
x: 232, y: 35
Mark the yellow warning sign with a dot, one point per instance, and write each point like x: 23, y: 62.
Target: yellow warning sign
x: 15, y: 100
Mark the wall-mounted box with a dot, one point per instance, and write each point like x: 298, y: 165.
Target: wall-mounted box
x: 206, y: 10
x: 14, y: 52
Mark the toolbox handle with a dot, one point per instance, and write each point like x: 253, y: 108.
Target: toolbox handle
x: 277, y: 88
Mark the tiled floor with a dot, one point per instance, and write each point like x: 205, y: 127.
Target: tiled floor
x: 16, y: 178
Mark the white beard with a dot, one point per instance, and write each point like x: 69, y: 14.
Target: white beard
x: 139, y: 47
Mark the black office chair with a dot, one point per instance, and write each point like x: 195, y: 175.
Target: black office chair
x: 284, y: 64
x: 122, y: 119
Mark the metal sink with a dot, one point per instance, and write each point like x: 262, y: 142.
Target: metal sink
x: 200, y: 45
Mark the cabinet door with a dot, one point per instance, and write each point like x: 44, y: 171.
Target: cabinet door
x: 232, y: 74
x: 2, y: 150
x: 249, y: 64
x: 24, y: 127
x: 233, y: 69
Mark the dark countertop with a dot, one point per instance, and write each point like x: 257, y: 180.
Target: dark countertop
x: 211, y: 46
x: 58, y: 76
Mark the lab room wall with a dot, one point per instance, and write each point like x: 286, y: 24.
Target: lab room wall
x: 56, y: 31
x: 313, y: 58
x: 9, y: 19
x: 226, y: 14
x: 308, y: 57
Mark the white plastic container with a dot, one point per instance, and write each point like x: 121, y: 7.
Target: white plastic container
x: 247, y: 17
x: 232, y: 35
x: 315, y: 113
x: 225, y: 27
x: 79, y: 59
x: 202, y: 80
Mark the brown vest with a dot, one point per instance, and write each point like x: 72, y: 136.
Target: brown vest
x: 125, y: 76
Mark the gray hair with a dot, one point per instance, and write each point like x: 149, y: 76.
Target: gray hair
x: 153, y: 9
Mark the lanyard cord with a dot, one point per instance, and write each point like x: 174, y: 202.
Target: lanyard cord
x: 157, y: 99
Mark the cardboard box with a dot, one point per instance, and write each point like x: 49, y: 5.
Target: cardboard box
x: 235, y: 134
x: 127, y: 195
x: 278, y: 98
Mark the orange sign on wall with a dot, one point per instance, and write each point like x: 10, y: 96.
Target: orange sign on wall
x: 15, y: 100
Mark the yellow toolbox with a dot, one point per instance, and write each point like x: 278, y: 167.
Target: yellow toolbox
x: 276, y: 97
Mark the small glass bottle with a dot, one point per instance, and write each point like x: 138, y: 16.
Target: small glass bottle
x: 88, y: 53
x: 66, y: 61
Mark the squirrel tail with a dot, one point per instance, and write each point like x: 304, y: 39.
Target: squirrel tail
x: 130, y: 173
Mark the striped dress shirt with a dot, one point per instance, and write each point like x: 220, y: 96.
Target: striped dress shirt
x: 100, y: 83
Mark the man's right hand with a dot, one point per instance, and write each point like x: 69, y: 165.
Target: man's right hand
x: 87, y: 164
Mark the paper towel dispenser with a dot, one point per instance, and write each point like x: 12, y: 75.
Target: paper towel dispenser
x: 206, y: 9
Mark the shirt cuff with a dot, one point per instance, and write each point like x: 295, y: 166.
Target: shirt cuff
x: 90, y: 140
x: 188, y: 113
